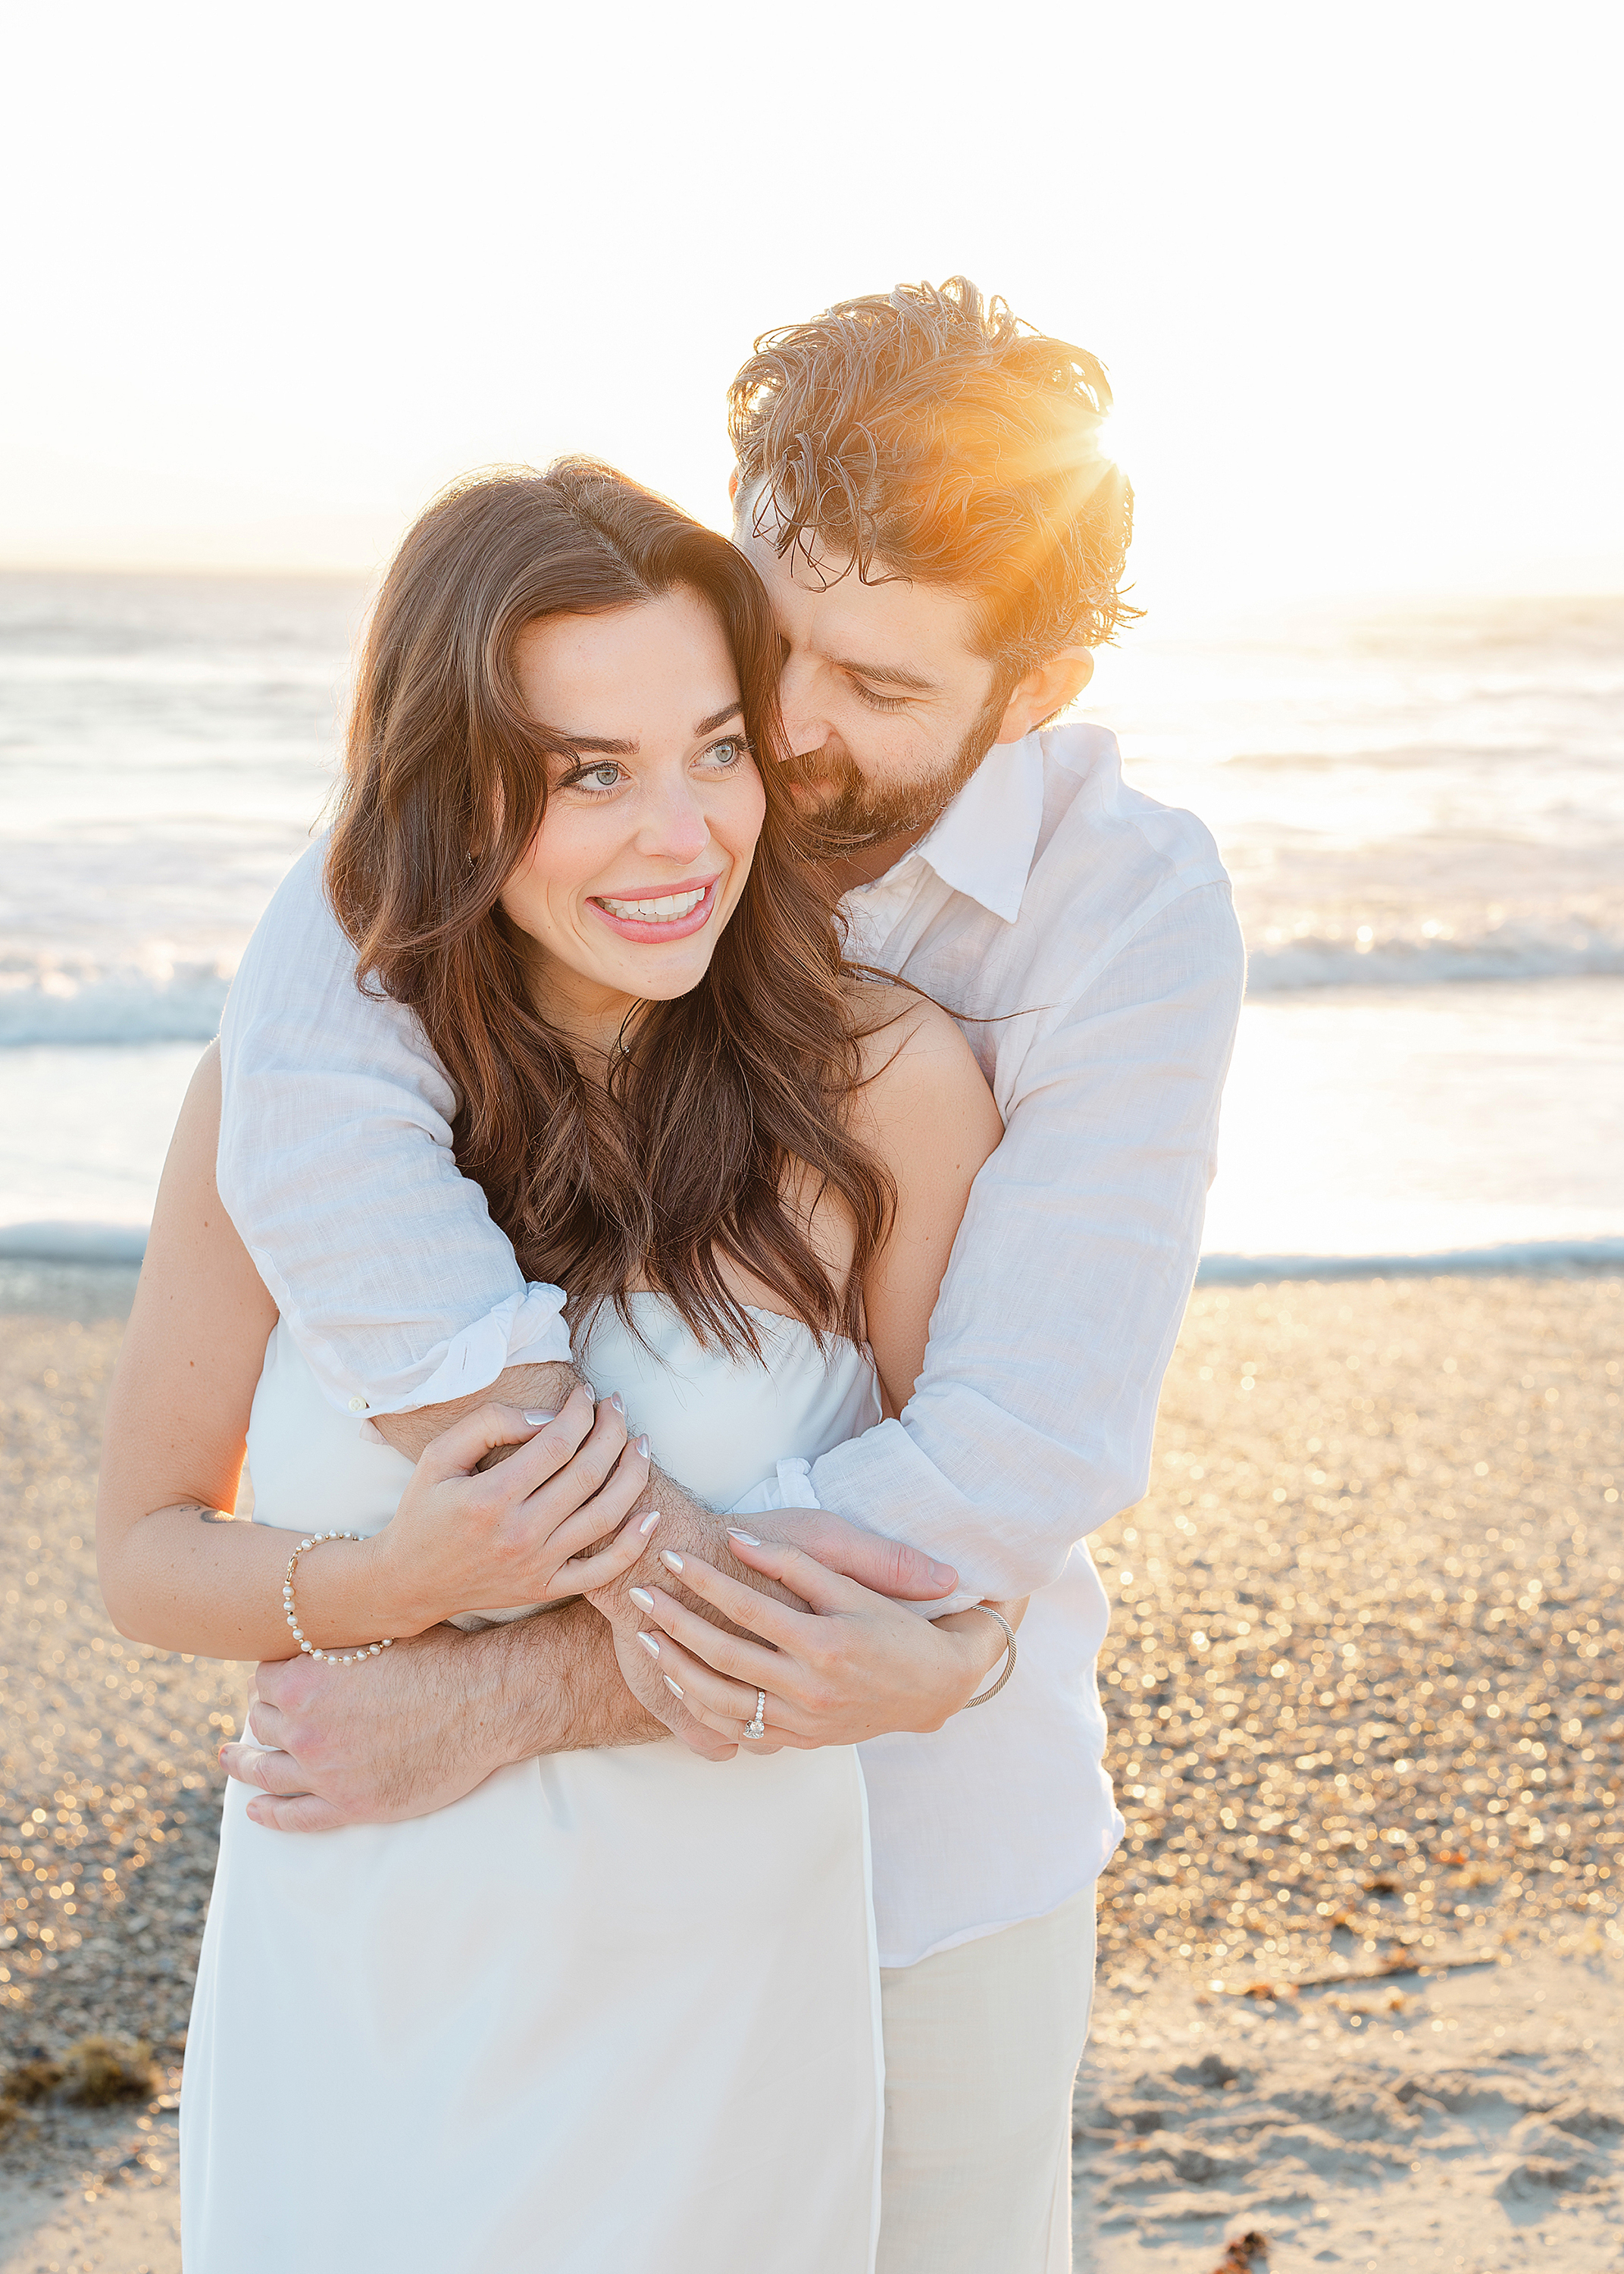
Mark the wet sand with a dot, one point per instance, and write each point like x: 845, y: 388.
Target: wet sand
x: 1365, y: 1690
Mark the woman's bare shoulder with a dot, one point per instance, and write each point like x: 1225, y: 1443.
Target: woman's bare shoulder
x: 916, y: 1066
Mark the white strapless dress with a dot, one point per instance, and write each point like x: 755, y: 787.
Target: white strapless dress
x: 616, y: 2010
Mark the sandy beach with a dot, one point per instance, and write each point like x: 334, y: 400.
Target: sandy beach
x: 1362, y: 1975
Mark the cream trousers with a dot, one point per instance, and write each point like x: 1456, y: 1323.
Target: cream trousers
x: 982, y: 2046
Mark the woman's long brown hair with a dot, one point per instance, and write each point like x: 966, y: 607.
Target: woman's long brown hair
x: 685, y: 1156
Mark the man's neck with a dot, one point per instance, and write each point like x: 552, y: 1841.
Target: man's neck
x: 867, y: 861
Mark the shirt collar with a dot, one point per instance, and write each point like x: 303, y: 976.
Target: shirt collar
x: 983, y: 844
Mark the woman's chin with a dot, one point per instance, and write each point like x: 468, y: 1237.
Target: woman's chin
x: 667, y: 978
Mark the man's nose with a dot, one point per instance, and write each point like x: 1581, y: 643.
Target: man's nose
x: 806, y: 728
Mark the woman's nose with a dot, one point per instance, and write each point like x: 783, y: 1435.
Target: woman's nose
x: 674, y: 828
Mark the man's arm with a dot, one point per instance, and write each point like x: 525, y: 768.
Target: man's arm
x: 1032, y: 1423
x: 336, y: 1165
x: 446, y: 1711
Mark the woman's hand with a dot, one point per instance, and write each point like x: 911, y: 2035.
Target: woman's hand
x: 547, y: 1523
x: 852, y: 1667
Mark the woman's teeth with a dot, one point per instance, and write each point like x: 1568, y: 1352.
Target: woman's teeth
x: 665, y: 910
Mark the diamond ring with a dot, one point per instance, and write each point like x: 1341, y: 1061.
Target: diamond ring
x: 758, y: 1727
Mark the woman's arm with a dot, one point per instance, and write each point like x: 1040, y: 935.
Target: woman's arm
x: 178, y: 1570
x: 177, y: 1422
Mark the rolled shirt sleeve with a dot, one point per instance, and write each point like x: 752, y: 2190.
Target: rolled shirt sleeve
x: 336, y: 1167
x: 1033, y: 1420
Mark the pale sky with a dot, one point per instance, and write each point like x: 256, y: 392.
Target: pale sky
x: 271, y: 276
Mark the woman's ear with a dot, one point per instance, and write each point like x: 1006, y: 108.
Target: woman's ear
x: 1057, y: 681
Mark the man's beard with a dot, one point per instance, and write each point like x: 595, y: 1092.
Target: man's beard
x: 844, y: 812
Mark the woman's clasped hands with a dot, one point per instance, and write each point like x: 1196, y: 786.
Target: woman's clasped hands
x: 551, y: 1520
x: 853, y: 1665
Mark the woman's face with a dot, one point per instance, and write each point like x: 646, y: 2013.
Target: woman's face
x: 650, y: 828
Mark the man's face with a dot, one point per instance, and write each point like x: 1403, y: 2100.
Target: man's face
x: 888, y: 708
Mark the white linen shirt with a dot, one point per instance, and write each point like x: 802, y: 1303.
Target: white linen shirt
x: 1084, y: 937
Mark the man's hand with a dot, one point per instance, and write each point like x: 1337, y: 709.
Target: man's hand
x: 641, y: 1673
x: 888, y: 1567
x: 852, y: 1667
x: 695, y: 1533
x: 530, y: 1389
x: 430, y: 1720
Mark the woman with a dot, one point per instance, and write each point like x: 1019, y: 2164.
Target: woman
x: 615, y: 2008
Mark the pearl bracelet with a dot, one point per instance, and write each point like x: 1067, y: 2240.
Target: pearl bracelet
x: 329, y: 1657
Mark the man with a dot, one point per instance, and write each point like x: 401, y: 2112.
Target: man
x: 920, y: 484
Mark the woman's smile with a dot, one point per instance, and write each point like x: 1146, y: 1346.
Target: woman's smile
x: 656, y: 914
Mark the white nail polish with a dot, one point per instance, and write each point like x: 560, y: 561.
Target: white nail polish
x: 672, y: 1563
x: 642, y: 1449
x: 539, y: 1420
x: 650, y: 1644
x: 675, y: 1688
x: 748, y: 1538
x: 643, y: 1600
x: 649, y: 1521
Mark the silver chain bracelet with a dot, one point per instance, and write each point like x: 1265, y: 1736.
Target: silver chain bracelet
x: 1008, y: 1658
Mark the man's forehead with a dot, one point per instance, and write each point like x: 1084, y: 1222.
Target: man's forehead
x: 886, y: 622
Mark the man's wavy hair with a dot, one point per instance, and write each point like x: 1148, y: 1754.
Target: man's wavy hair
x: 684, y: 1157
x: 929, y: 433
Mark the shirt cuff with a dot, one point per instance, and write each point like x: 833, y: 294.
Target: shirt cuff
x: 790, y: 1488
x: 523, y: 1330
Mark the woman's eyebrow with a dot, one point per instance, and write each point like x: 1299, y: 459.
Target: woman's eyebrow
x: 573, y: 746
x: 578, y: 745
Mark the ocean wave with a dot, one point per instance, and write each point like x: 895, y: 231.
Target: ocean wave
x: 72, y: 1243
x: 1516, y: 1255
x: 183, y: 1002
x: 1288, y: 967
x: 92, y: 1243
x: 174, y: 1003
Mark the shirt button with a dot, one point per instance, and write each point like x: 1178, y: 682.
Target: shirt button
x: 357, y: 1405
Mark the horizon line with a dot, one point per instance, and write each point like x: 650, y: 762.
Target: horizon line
x: 1176, y: 603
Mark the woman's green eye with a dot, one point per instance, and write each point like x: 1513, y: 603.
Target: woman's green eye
x: 727, y: 753
x: 604, y: 777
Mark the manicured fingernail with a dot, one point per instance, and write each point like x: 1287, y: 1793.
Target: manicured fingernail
x: 617, y: 1401
x: 650, y: 1644
x: 675, y: 1688
x: 643, y: 1448
x: 643, y: 1601
x: 673, y: 1562
x: 748, y: 1538
x: 537, y: 1420
x: 649, y: 1521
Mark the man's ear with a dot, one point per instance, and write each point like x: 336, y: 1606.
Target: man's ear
x: 732, y: 488
x: 1057, y: 681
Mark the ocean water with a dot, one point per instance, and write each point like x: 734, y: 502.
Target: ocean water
x: 1423, y: 811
